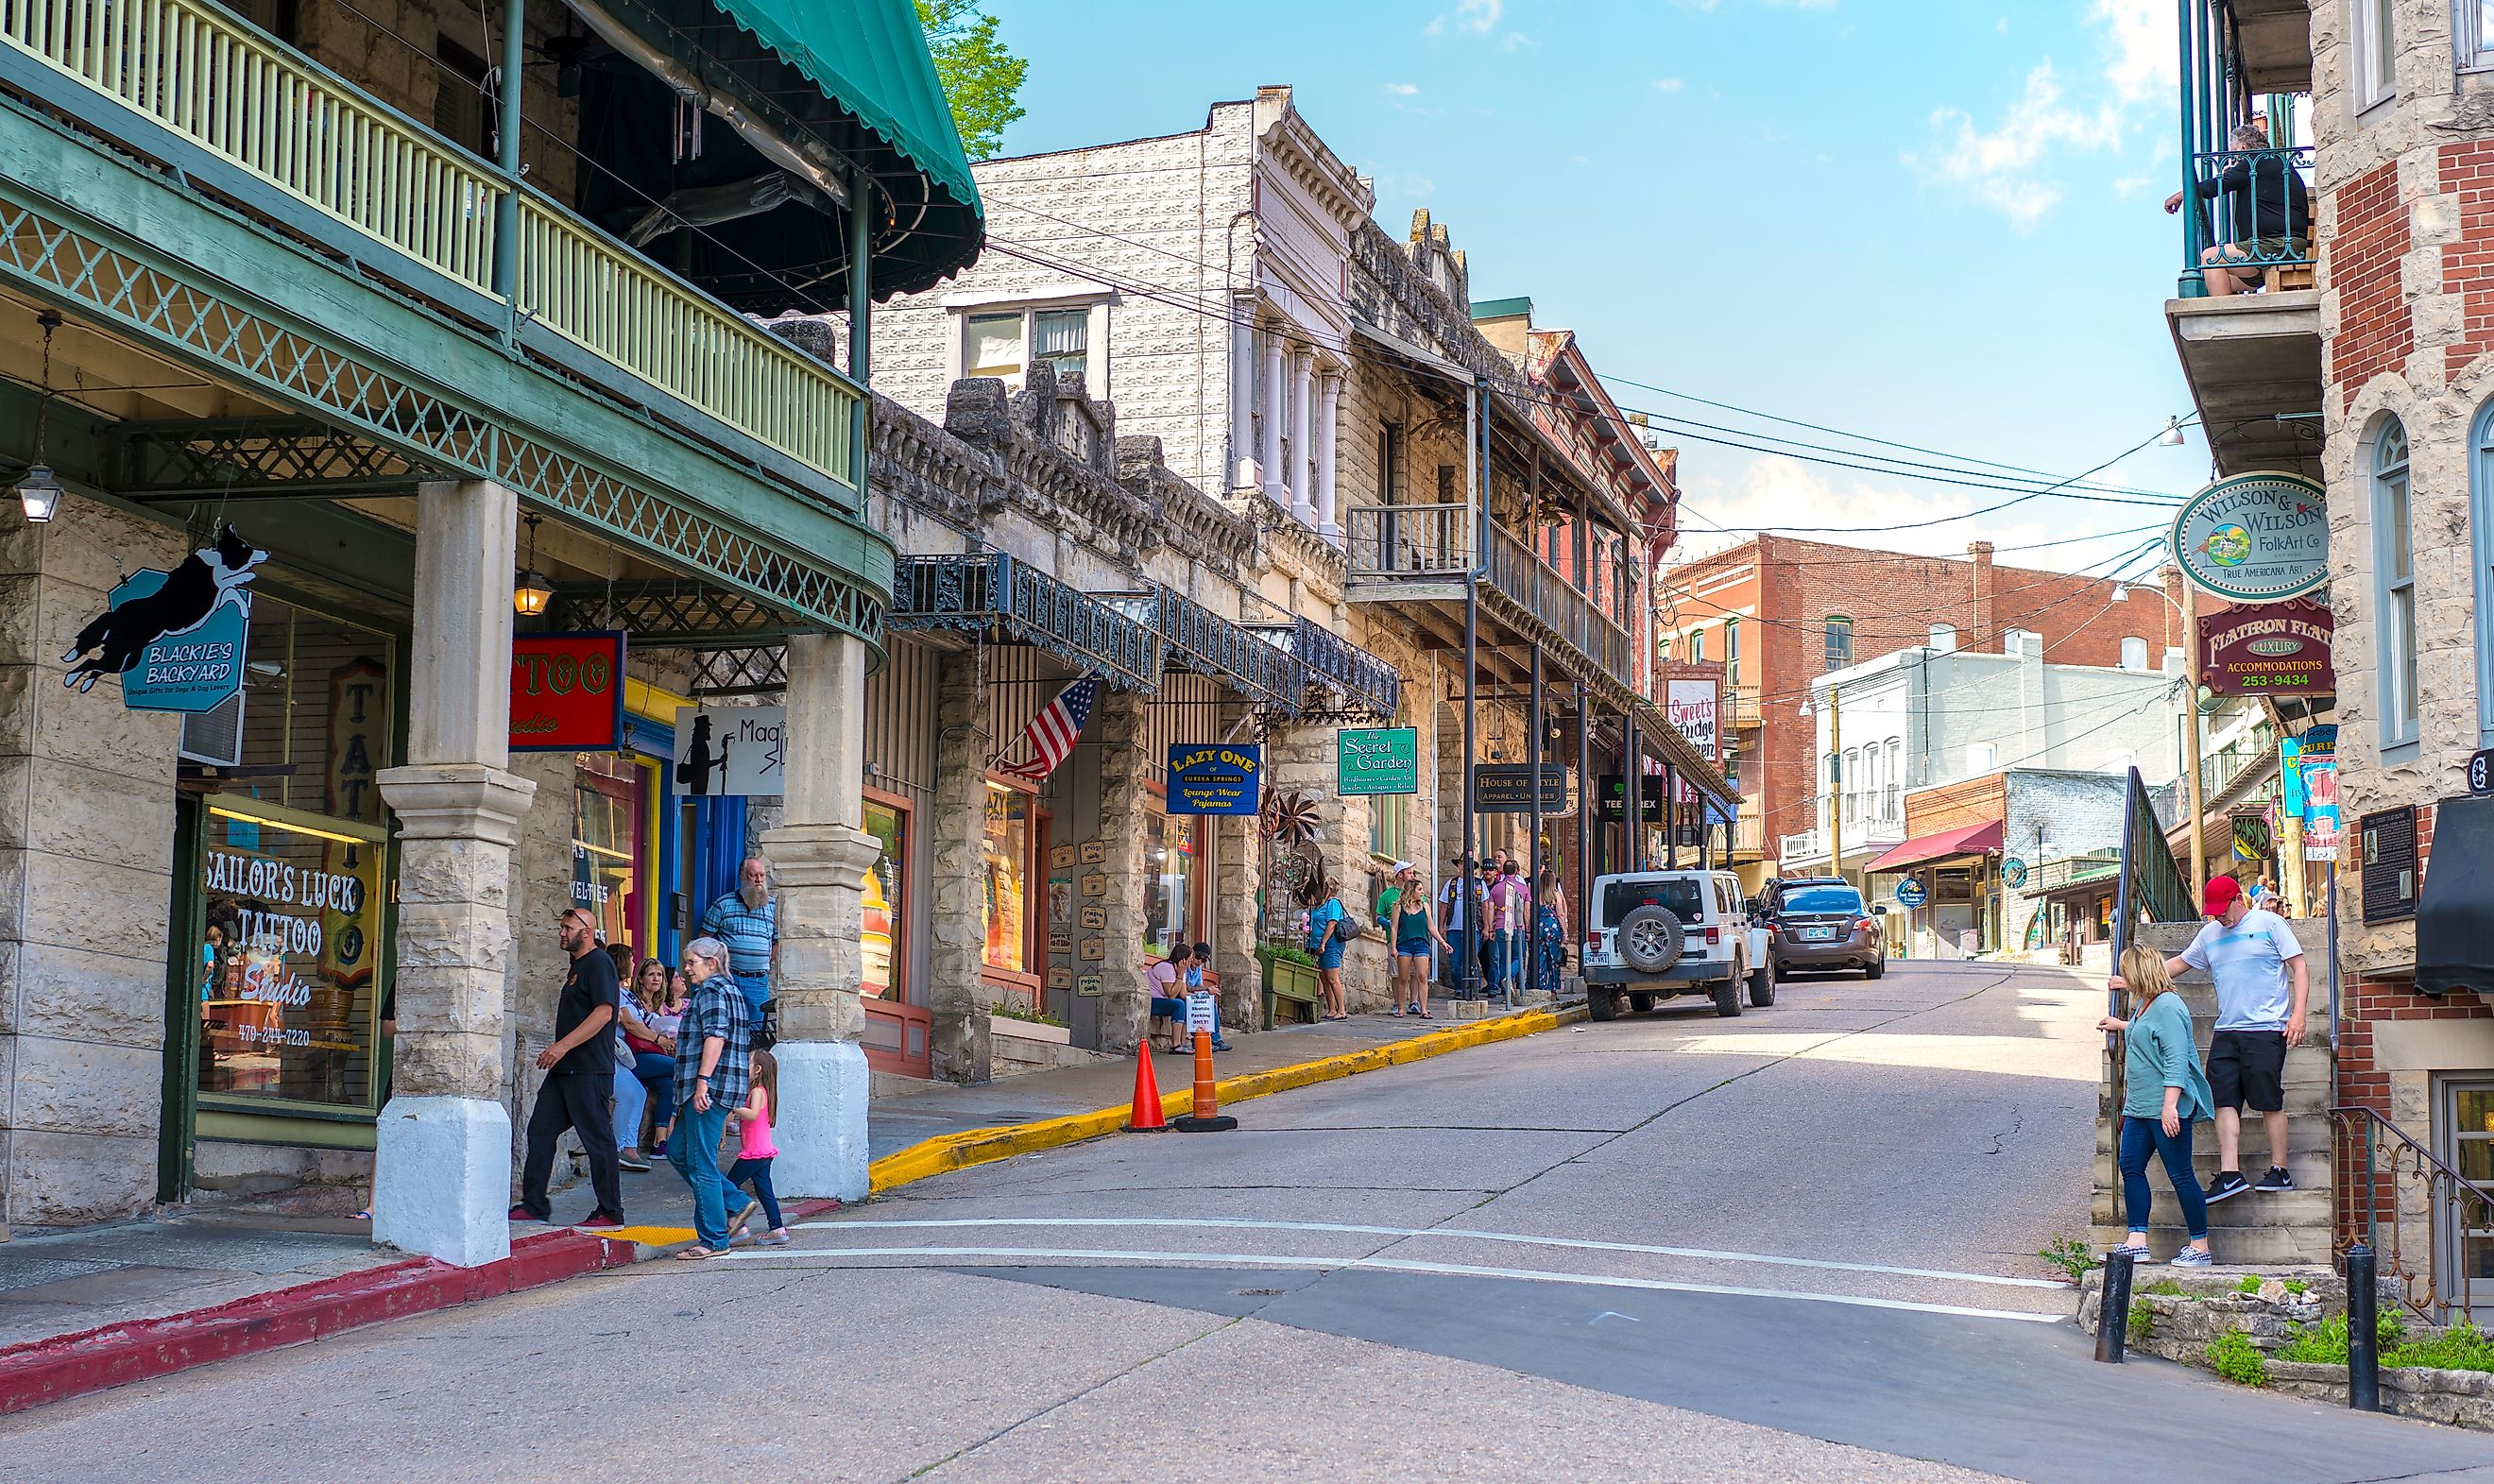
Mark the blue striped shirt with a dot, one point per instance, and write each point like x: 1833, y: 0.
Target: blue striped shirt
x: 749, y: 936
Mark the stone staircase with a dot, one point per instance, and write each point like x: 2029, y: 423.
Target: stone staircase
x: 2253, y: 1228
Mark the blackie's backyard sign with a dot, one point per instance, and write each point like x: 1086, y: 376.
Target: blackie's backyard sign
x: 176, y: 639
x: 2255, y: 538
x: 2270, y: 650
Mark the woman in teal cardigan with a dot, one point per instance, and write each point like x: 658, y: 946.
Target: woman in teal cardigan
x: 2164, y: 1090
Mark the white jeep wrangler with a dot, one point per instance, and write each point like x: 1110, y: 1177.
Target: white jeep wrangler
x: 1653, y: 934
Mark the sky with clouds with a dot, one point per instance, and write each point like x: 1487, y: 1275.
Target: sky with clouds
x: 1929, y: 221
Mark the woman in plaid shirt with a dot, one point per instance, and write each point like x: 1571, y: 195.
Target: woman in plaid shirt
x: 714, y: 1046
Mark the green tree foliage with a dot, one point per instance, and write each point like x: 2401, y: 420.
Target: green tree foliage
x: 981, y: 77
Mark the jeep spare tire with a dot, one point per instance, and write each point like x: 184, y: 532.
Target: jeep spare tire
x: 1650, y: 939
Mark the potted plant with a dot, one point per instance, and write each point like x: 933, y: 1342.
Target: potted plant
x: 1290, y: 975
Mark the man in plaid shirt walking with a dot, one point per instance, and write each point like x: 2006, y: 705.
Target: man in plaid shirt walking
x: 714, y: 1046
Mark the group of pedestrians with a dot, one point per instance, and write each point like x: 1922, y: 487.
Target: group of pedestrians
x: 1523, y: 939
x: 2263, y: 992
x: 691, y: 1048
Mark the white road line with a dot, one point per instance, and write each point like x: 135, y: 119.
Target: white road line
x: 1239, y: 1224
x: 832, y: 1256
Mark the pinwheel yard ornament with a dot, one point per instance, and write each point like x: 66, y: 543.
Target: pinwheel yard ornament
x: 1291, y: 818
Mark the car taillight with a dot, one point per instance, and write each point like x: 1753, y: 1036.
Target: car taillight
x: 1714, y: 935
x: 1865, y: 925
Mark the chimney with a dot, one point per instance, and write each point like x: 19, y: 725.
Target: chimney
x: 2179, y: 630
x: 1987, y: 639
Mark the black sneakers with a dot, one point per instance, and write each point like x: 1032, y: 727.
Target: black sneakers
x: 2228, y: 1184
x: 2275, y: 1180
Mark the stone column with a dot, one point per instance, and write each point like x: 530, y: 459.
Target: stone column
x: 958, y: 1049
x: 1240, y: 472
x: 821, y: 856
x: 1237, y: 861
x: 1125, y: 823
x: 1303, y: 377
x: 1328, y: 414
x: 441, y: 1172
x: 1268, y: 443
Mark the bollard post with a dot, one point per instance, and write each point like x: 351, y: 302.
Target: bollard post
x: 2363, y: 1331
x: 2112, y: 1309
x: 1208, y: 1117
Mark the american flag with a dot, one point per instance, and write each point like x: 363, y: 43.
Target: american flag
x: 1050, y: 736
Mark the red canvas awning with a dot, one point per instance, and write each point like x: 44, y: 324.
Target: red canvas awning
x: 1922, y: 850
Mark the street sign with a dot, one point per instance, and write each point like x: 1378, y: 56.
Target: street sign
x: 567, y: 692
x: 1506, y: 788
x: 1376, y: 760
x: 2013, y: 873
x: 1214, y: 778
x: 2255, y: 538
x: 2270, y: 650
x: 1910, y: 891
x: 1203, y: 1013
x: 729, y: 751
x: 2480, y: 771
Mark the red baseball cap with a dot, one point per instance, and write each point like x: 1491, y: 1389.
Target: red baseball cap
x: 2218, y: 894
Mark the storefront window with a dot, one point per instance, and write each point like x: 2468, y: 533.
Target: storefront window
x: 886, y: 884
x: 607, y: 863
x: 1005, y: 869
x: 1170, y: 863
x: 289, y: 970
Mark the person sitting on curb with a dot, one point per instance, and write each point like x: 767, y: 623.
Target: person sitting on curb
x: 2163, y: 1092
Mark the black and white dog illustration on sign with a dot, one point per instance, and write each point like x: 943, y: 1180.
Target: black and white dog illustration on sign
x: 208, y: 578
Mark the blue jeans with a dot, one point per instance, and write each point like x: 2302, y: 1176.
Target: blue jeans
x: 693, y: 1149
x: 629, y: 1099
x: 2137, y: 1136
x: 656, y: 1070
x: 759, y: 1172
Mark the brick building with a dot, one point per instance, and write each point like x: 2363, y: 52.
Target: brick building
x: 1779, y: 612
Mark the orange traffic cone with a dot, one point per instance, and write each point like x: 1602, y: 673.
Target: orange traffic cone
x: 1147, y: 1117
x: 1208, y: 1117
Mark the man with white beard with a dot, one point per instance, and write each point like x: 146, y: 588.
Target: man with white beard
x: 747, y: 921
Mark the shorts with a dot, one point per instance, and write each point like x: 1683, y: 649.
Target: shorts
x: 1415, y: 950
x: 2247, y: 1069
x: 1331, y: 957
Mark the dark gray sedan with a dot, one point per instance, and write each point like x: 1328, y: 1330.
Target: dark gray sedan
x: 1825, y: 925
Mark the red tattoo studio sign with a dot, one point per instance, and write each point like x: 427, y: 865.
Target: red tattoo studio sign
x: 567, y: 692
x: 2268, y: 649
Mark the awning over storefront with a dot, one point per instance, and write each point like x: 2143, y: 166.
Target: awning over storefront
x: 1193, y: 637
x: 1923, y: 850
x: 993, y: 595
x: 1361, y: 683
x: 2454, y: 924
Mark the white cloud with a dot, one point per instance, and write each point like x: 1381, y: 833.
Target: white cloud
x: 1744, y: 492
x: 1402, y: 89
x: 1666, y: 84
x: 2009, y: 163
x: 1479, y: 16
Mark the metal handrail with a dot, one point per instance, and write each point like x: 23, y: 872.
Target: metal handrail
x: 2392, y: 1161
x: 1408, y: 540
x: 2253, y: 181
x: 1533, y: 584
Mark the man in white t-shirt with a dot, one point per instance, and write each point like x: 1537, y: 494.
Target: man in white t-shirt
x: 2263, y: 987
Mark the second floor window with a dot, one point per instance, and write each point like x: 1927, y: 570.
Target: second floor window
x: 1732, y: 650
x: 1698, y: 645
x: 2373, y: 37
x: 1007, y: 342
x: 2134, y: 654
x: 2394, y: 584
x: 1945, y: 637
x: 1840, y: 641
x: 2472, y: 38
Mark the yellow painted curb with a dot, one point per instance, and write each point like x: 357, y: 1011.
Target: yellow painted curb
x: 949, y: 1152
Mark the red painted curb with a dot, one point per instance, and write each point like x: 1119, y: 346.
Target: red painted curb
x: 65, y: 1366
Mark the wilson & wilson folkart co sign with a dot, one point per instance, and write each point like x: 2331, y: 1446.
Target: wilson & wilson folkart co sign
x: 2255, y: 538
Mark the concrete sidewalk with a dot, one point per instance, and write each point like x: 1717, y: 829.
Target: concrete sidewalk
x: 183, y: 1263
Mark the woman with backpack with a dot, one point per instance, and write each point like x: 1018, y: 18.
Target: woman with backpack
x: 1330, y: 929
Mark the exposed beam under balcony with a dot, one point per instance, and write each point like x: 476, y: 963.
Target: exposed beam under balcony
x: 2277, y: 45
x: 2252, y: 362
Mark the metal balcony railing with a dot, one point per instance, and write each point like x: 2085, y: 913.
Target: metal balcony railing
x: 1532, y: 585
x: 1748, y: 836
x: 211, y: 78
x: 1740, y: 705
x: 2250, y: 209
x: 1408, y: 541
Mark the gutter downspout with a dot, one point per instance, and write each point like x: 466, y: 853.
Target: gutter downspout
x: 506, y: 155
x: 804, y: 159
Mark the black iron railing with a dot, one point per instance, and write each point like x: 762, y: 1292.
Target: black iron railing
x: 2421, y: 1217
x: 993, y: 594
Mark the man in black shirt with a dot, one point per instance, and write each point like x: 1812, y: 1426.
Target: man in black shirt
x: 2267, y: 211
x: 580, y: 1078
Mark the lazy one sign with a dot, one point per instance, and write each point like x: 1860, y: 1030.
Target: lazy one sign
x: 567, y: 692
x: 176, y: 638
x: 728, y: 751
x: 2272, y: 650
x: 2255, y: 538
x: 1211, y: 779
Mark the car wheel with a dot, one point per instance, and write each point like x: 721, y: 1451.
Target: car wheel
x: 1878, y: 966
x: 1762, y: 985
x: 1640, y: 1002
x: 1727, y: 997
x: 1602, y: 1001
x: 1650, y: 939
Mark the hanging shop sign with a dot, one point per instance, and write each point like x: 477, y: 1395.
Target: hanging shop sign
x: 567, y: 692
x: 1613, y: 800
x: 2255, y: 538
x: 2480, y: 771
x: 729, y: 751
x: 1506, y: 788
x: 2271, y: 649
x: 1692, y: 706
x: 1911, y: 892
x: 2316, y: 760
x: 1376, y: 760
x: 176, y: 639
x: 1215, y: 778
x: 2013, y: 873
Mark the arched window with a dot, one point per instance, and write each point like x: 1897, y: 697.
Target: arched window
x: 2480, y: 512
x: 2134, y: 655
x: 2395, y: 585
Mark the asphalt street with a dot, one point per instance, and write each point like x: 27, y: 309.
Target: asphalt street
x: 1795, y: 1245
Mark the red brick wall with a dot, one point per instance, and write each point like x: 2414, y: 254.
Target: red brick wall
x: 1956, y: 806
x: 2376, y: 332
x: 2468, y: 265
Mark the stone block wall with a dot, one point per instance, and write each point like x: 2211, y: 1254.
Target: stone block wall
x: 86, y: 834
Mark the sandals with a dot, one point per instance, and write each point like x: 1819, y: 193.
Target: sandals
x: 696, y: 1253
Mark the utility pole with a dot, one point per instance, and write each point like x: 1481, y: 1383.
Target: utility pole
x: 1835, y: 782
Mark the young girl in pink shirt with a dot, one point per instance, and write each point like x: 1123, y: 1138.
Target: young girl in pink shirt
x: 755, y: 1151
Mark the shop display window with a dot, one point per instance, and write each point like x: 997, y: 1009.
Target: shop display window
x: 887, y: 887
x: 1169, y: 864
x: 609, y: 847
x: 1005, y: 861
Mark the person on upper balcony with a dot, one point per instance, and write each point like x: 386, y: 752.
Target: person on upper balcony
x: 2267, y: 213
